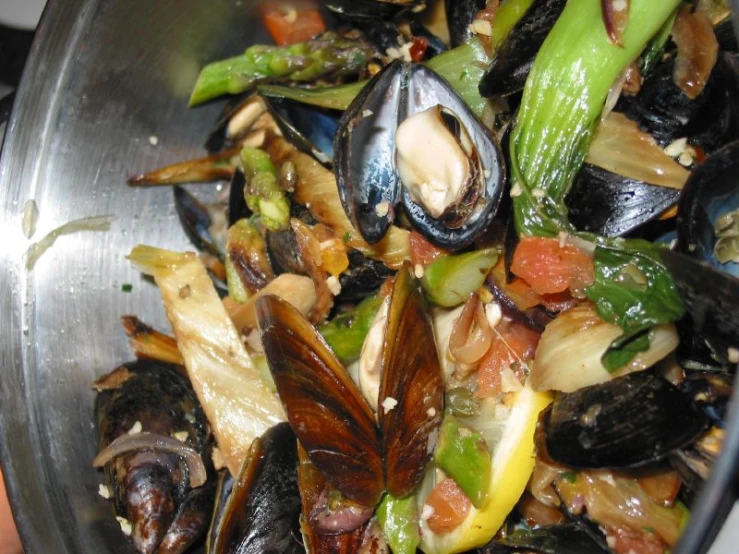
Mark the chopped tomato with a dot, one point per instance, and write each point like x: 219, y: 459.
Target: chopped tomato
x: 422, y: 251
x: 418, y: 48
x: 549, y: 267
x: 522, y: 295
x: 288, y: 26
x: 513, y: 345
x: 449, y: 507
x: 558, y: 301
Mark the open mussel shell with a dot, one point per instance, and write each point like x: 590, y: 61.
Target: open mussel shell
x: 514, y: 57
x: 309, y: 128
x: 365, y: 151
x: 711, y: 192
x: 363, y: 10
x: 412, y: 381
x: 205, y: 226
x: 262, y: 513
x: 630, y: 421
x: 612, y: 205
x: 325, y: 408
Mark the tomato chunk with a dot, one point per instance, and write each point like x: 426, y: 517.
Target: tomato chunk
x: 513, y: 344
x: 422, y: 251
x: 551, y: 268
x: 449, y: 507
x: 288, y: 26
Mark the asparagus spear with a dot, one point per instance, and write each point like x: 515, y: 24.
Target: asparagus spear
x: 326, y: 56
x: 262, y: 191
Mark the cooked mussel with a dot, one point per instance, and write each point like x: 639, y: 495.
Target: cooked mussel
x: 514, y: 57
x: 204, y: 225
x: 262, y: 513
x: 627, y: 422
x: 408, y: 135
x: 334, y: 422
x: 568, y: 538
x: 154, y: 443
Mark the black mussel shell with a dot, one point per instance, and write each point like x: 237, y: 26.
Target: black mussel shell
x: 459, y: 17
x: 383, y: 35
x: 513, y: 60
x: 711, y: 191
x: 709, y: 121
x: 363, y: 10
x: 568, y: 538
x: 237, y: 208
x: 365, y: 156
x: 309, y: 128
x: 364, y: 277
x: 725, y: 36
x: 364, y: 150
x: 627, y: 422
x: 197, y: 221
x: 612, y: 205
x: 262, y: 515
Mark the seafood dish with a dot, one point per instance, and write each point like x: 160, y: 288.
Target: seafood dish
x: 469, y: 285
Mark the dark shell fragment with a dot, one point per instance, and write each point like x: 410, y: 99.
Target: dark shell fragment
x: 459, y: 16
x: 263, y: 510
x: 627, y: 422
x: 197, y: 221
x: 612, y: 205
x: 569, y: 538
x: 363, y: 10
x: 514, y: 57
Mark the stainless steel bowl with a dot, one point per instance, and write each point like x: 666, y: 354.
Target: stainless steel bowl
x: 104, y: 78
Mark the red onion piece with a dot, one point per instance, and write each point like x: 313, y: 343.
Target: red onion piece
x: 471, y: 336
x: 153, y: 441
x: 615, y: 18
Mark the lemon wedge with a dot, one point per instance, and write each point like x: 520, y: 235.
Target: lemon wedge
x: 511, y: 444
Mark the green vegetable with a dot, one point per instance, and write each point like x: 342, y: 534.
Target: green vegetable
x: 462, y: 67
x: 653, y: 53
x: 463, y: 455
x: 506, y: 17
x: 560, y: 109
x: 450, y: 280
x: 398, y: 518
x: 346, y: 332
x: 326, y: 56
x: 126, y: 287
x: 562, y: 102
x: 634, y: 290
x: 262, y: 190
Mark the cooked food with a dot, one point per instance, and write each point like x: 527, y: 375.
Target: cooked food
x: 433, y: 312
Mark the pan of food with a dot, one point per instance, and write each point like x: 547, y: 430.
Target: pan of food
x: 372, y: 276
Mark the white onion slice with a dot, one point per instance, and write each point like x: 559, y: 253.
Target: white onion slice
x: 159, y: 443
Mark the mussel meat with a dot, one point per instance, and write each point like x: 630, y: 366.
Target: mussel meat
x: 408, y: 135
x: 154, y: 446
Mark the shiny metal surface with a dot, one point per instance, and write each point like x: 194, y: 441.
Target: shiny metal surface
x: 104, y: 76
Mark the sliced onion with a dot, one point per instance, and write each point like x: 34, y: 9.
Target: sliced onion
x: 471, y: 336
x: 569, y: 352
x: 622, y: 148
x: 309, y: 250
x: 159, y: 443
x: 697, y: 50
x: 615, y: 18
